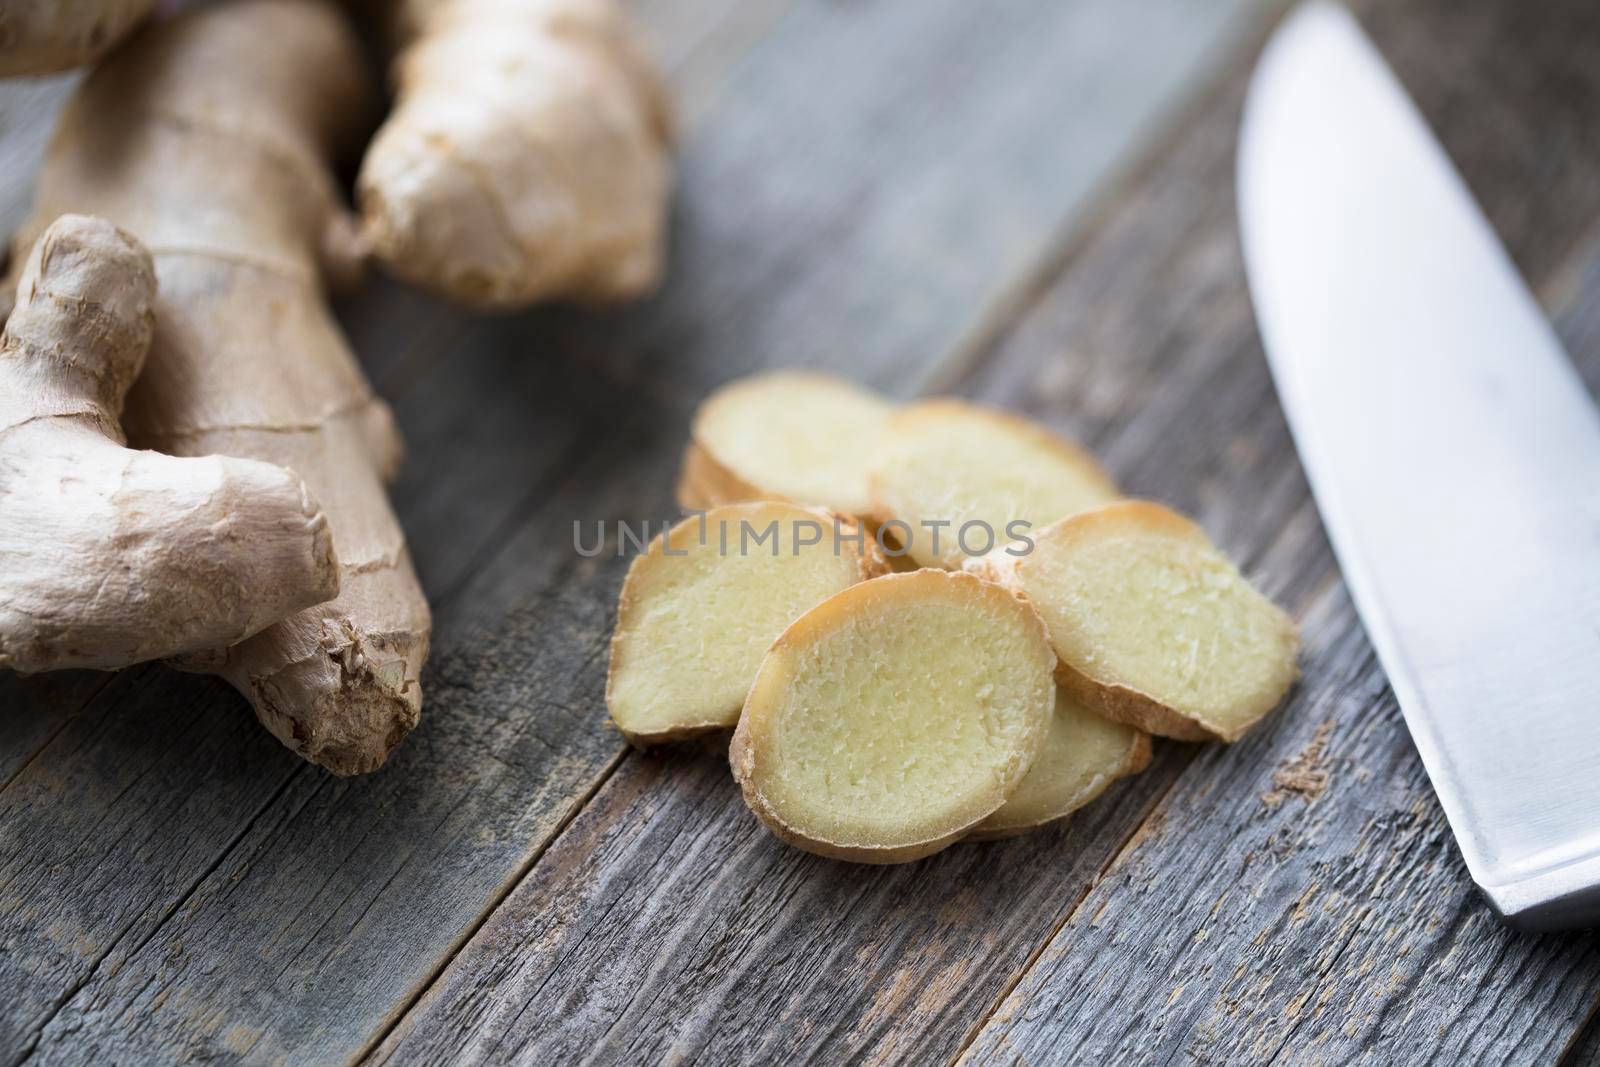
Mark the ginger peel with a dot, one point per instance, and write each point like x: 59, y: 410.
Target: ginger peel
x: 526, y: 157
x: 114, y: 556
x: 211, y: 137
x: 47, y: 36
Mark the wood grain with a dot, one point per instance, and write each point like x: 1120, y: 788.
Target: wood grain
x: 862, y: 183
x: 1340, y: 927
x: 611, y: 950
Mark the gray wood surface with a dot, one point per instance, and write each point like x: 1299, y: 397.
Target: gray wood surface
x: 1029, y: 203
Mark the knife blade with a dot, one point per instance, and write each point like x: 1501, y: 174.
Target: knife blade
x: 1453, y: 452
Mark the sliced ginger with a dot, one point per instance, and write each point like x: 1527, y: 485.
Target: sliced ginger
x: 1083, y: 754
x: 700, y: 608
x: 805, y: 438
x: 892, y: 718
x: 1153, y: 626
x: 950, y: 462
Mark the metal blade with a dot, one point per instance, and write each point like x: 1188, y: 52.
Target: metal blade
x: 1453, y: 451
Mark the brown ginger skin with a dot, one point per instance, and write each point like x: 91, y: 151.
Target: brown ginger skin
x: 211, y: 138
x: 46, y: 36
x: 113, y: 556
x: 527, y: 154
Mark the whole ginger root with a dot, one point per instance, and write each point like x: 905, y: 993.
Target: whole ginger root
x: 527, y: 156
x: 211, y: 138
x: 47, y: 36
x: 113, y: 556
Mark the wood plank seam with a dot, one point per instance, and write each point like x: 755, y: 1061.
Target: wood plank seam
x: 967, y: 356
x: 227, y: 850
x: 1284, y: 1046
x: 1130, y: 840
x: 402, y: 1007
x: 972, y: 352
x: 506, y: 529
x: 558, y: 830
x: 1580, y: 1037
x: 964, y: 365
x: 1461, y: 917
x: 73, y: 988
x: 1136, y: 835
x: 66, y: 720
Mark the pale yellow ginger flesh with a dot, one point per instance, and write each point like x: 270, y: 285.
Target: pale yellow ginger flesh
x: 210, y: 137
x: 947, y: 461
x: 891, y: 719
x: 110, y: 556
x: 1083, y: 754
x: 693, y: 625
x: 46, y: 36
x: 1153, y: 625
x: 527, y: 156
x: 805, y: 438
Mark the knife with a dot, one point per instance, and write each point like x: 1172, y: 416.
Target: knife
x: 1453, y: 452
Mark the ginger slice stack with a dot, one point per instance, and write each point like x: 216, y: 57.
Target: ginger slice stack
x: 1052, y: 628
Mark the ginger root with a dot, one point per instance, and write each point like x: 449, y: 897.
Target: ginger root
x: 698, y: 610
x: 1153, y: 626
x: 527, y: 155
x: 892, y: 718
x: 114, y: 556
x: 210, y: 137
x: 47, y: 36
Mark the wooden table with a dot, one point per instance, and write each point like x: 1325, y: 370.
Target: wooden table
x: 1029, y: 202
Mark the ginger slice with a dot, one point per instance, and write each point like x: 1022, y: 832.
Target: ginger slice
x: 1153, y: 625
x: 892, y: 718
x: 703, y: 483
x: 944, y: 463
x: 693, y: 625
x: 1083, y: 754
x: 804, y: 438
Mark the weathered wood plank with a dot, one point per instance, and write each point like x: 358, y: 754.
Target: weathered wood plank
x: 666, y: 925
x: 136, y: 815
x: 1584, y: 1051
x: 802, y: 234
x: 36, y: 709
x: 1252, y: 924
x: 734, y: 947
